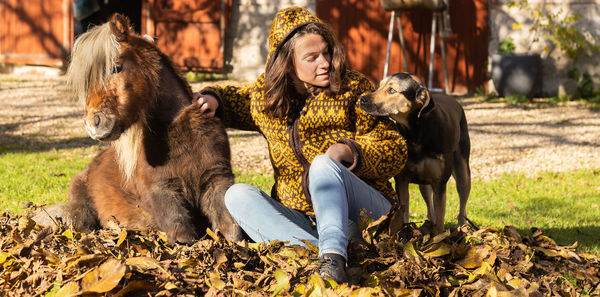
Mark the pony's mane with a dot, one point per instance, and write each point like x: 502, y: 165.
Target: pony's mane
x: 92, y: 63
x: 92, y: 60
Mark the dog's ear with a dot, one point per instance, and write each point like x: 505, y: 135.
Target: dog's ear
x: 423, y: 98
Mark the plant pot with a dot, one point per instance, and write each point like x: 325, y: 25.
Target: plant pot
x: 517, y: 74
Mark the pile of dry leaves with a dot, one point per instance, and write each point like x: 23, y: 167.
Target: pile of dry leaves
x: 394, y: 260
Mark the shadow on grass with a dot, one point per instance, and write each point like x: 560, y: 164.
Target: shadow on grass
x: 586, y: 236
x: 31, y: 144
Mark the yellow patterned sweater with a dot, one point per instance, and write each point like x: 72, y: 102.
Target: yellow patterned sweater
x: 379, y: 150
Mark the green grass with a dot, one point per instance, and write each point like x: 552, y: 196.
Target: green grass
x: 566, y: 206
x: 40, y: 177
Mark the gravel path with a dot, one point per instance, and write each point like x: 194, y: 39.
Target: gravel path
x: 39, y: 111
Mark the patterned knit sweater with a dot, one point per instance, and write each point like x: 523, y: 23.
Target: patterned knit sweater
x: 378, y: 148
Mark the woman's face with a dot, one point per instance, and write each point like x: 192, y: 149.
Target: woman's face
x: 311, y: 60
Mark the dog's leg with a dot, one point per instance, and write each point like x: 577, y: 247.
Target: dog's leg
x: 403, y: 196
x: 439, y: 198
x: 462, y: 176
x: 427, y: 194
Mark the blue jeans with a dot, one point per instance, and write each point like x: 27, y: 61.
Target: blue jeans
x: 337, y: 196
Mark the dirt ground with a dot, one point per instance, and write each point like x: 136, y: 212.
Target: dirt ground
x: 40, y: 111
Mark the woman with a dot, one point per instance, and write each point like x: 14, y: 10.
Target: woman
x: 330, y: 159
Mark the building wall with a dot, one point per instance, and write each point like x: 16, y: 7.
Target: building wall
x: 35, y: 31
x: 555, y: 62
x: 247, y: 34
x: 362, y: 26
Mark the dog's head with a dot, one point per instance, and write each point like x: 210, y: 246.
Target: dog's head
x: 398, y: 96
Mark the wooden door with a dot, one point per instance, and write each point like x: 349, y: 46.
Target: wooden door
x: 35, y: 31
x: 190, y: 32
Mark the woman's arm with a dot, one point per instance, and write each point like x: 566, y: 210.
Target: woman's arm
x: 230, y: 103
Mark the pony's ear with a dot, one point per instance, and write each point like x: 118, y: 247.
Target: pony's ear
x: 423, y: 98
x: 119, y: 25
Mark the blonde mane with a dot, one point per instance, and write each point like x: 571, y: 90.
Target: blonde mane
x: 128, y: 148
x: 92, y: 60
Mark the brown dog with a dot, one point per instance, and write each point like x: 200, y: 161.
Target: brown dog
x: 437, y: 135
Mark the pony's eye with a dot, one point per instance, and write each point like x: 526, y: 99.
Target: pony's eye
x: 391, y: 91
x: 117, y: 68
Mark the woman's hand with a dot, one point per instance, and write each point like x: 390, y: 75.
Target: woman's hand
x: 341, y: 153
x: 208, y: 103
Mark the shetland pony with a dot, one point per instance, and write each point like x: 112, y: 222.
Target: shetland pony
x: 169, y: 165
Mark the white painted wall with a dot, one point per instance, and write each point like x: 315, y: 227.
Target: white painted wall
x: 247, y: 37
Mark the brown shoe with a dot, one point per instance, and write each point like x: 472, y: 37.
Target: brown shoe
x: 333, y: 266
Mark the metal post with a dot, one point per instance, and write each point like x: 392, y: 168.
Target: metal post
x: 432, y: 51
x: 390, y: 36
x: 401, y: 35
x: 443, y: 47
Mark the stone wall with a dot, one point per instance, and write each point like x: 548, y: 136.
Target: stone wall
x: 248, y: 33
x: 555, y: 62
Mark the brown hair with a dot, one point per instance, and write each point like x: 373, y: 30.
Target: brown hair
x: 279, y: 91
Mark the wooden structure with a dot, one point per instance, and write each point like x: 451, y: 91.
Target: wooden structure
x: 192, y: 32
x: 362, y: 26
x: 40, y: 32
x: 35, y: 31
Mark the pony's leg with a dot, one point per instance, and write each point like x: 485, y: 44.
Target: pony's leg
x: 80, y: 206
x: 168, y: 208
x: 212, y: 204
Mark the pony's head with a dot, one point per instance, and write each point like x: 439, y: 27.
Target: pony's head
x: 116, y: 73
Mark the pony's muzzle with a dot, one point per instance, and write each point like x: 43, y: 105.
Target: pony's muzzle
x: 101, y: 126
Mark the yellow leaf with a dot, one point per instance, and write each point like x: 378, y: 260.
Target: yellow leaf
x: 220, y: 257
x: 516, y: 26
x: 143, y: 263
x: 409, y: 250
x: 372, y: 281
x: 3, y: 257
x: 283, y: 282
x: 122, y: 237
x: 407, y: 292
x: 310, y: 246
x: 89, y: 259
x: 441, y: 236
x: 68, y: 234
x: 364, y: 292
x: 437, y: 250
x: 214, y: 280
x: 475, y: 256
x: 483, y: 270
x: 170, y: 286
x: 547, y: 252
x: 70, y: 289
x: 515, y: 283
x: 104, y: 278
x: 212, y: 234
x: 136, y: 285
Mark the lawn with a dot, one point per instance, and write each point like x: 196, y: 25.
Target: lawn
x: 566, y: 206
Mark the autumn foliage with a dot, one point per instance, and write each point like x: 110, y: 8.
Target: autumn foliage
x: 393, y: 260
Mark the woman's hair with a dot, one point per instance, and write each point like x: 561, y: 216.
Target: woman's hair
x: 279, y: 90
